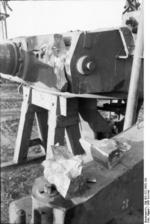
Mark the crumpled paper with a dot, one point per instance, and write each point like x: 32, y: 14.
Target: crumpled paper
x: 62, y: 171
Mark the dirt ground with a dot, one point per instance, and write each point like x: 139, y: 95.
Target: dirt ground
x: 18, y: 182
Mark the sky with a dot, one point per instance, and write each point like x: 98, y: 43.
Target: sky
x: 43, y: 17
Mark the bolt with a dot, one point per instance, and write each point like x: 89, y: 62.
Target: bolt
x: 50, y: 189
x: 90, y: 65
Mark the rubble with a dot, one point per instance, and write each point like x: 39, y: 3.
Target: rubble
x: 64, y: 173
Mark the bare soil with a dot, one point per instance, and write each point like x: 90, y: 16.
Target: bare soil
x: 18, y: 182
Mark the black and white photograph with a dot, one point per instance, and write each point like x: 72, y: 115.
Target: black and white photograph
x: 73, y: 137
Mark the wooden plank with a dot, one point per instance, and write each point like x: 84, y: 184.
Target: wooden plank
x: 67, y: 121
x: 24, y: 134
x: 72, y: 139
x: 12, y: 165
x: 73, y: 95
x: 63, y: 106
x: 52, y: 122
x: 91, y: 122
x: 24, y: 129
x: 41, y: 120
x: 34, y: 142
x: 59, y: 136
x: 42, y: 99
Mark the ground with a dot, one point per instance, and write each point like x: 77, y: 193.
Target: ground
x: 17, y: 182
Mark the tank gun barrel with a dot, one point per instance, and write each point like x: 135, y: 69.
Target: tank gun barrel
x: 9, y: 58
x: 19, y: 57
